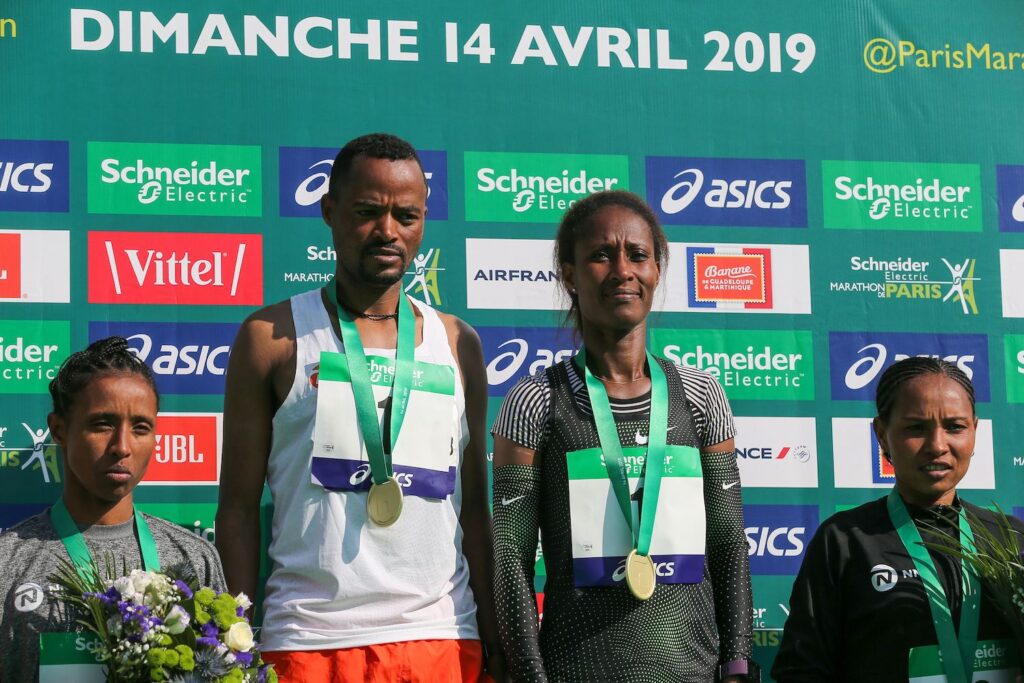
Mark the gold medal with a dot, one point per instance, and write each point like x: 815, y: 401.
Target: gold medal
x: 640, y: 575
x: 384, y: 502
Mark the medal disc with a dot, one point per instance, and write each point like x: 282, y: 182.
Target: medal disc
x: 640, y: 575
x: 384, y: 502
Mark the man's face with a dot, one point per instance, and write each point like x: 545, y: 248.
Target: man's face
x: 376, y: 219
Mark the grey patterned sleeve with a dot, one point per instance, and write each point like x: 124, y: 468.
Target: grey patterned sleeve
x: 516, y: 520
x: 728, y: 563
x: 524, y: 411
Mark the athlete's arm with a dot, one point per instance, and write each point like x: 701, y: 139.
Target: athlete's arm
x: 475, y: 518
x: 263, y: 343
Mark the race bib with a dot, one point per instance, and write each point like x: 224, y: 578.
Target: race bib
x: 601, y: 539
x: 424, y: 456
x: 65, y: 657
x: 995, y: 661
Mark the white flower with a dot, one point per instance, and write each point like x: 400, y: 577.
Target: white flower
x: 114, y: 625
x: 239, y: 637
x: 243, y: 601
x: 176, y: 621
x: 125, y: 587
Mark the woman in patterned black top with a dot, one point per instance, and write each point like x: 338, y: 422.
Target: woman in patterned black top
x: 611, y: 252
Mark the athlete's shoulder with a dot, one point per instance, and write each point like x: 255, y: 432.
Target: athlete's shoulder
x: 870, y: 516
x: 34, y: 528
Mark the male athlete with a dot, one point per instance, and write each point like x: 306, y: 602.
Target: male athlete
x: 380, y: 544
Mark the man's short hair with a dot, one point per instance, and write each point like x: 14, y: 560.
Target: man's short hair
x: 374, y: 146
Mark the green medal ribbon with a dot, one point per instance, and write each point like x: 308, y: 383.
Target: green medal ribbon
x: 73, y: 542
x: 614, y: 461
x: 957, y: 653
x: 366, y: 407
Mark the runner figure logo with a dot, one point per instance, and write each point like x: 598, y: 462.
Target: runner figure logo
x: 962, y: 286
x: 424, y: 277
x: 42, y: 452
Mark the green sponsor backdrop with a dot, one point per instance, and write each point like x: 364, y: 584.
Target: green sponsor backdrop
x: 892, y: 90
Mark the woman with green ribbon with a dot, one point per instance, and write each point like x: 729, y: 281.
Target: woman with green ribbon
x: 104, y: 416
x: 873, y: 602
x: 625, y: 463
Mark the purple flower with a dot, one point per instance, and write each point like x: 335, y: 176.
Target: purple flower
x: 239, y: 612
x: 209, y: 635
x: 244, y: 658
x: 183, y: 587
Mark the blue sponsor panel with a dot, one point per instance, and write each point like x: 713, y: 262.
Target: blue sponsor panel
x: 12, y: 513
x: 33, y: 175
x: 355, y: 476
x: 611, y: 571
x: 1018, y: 513
x: 305, y: 174
x: 1010, y: 189
x: 729, y: 192
x: 186, y: 358
x: 512, y: 353
x: 777, y: 536
x: 858, y: 359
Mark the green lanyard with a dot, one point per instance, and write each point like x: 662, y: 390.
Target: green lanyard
x: 366, y: 407
x: 957, y: 654
x: 614, y: 461
x: 73, y: 542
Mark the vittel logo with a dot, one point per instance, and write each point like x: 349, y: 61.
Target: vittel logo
x: 748, y: 192
x: 33, y: 175
x: 860, y: 358
x: 513, y: 353
x: 175, y: 268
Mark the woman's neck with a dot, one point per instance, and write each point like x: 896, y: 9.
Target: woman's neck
x: 87, y: 510
x: 617, y: 357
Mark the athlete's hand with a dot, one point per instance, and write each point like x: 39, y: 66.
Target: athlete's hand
x: 495, y: 667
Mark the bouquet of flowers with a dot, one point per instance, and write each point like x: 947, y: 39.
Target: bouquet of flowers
x: 996, y: 559
x: 160, y: 626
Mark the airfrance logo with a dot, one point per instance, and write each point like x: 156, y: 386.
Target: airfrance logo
x: 777, y: 536
x: 858, y: 358
x: 34, y: 266
x: 512, y: 353
x: 186, y: 358
x: 33, y: 175
x: 887, y: 195
x: 305, y: 174
x: 175, y: 179
x: 730, y: 192
x: 1010, y: 186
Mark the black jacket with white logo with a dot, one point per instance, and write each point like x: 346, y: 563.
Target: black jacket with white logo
x: 858, y: 605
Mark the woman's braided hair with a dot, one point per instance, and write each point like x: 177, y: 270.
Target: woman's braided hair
x: 105, y: 356
x: 896, y: 375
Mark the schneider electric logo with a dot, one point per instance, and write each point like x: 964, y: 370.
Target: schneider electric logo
x: 732, y: 192
x: 536, y: 188
x: 750, y: 364
x: 881, y: 195
x: 170, y: 179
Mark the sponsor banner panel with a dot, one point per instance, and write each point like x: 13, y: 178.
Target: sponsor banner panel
x: 186, y: 358
x: 1010, y: 189
x: 1011, y: 271
x: 156, y: 178
x: 777, y: 536
x: 777, y: 451
x: 13, y: 513
x: 728, y: 192
x: 188, y: 447
x: 536, y: 188
x: 305, y: 174
x: 858, y: 461
x: 749, y: 364
x: 512, y: 274
x: 34, y: 175
x: 1014, y: 345
x: 31, y: 352
x: 35, y: 266
x: 892, y: 195
x: 512, y: 353
x: 738, y: 278
x: 915, y: 279
x: 175, y: 268
x: 858, y: 359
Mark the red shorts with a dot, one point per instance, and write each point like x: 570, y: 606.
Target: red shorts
x: 414, y: 661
